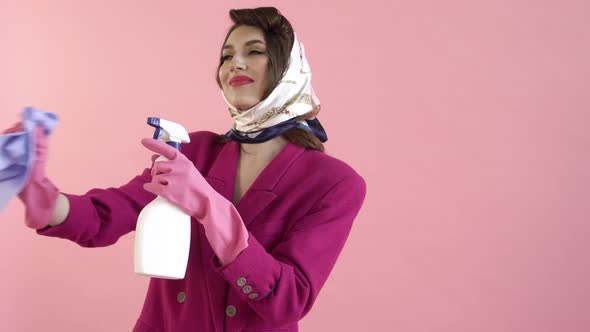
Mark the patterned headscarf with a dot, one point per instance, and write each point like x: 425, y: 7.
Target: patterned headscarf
x: 291, y: 98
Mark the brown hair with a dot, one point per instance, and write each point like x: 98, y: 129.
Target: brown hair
x: 279, y: 38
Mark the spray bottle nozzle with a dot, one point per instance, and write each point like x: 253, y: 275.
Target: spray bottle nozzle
x: 155, y: 122
x: 170, y: 132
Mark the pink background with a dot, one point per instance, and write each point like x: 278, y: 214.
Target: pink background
x: 468, y: 119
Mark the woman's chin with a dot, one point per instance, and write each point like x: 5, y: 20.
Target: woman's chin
x: 242, y: 104
x: 241, y: 107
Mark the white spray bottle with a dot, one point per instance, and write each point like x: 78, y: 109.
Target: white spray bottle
x: 163, y: 231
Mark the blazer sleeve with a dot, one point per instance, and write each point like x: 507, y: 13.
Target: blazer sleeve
x: 284, y: 283
x: 101, y: 216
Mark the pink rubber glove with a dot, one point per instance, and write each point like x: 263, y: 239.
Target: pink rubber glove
x: 39, y: 195
x: 179, y: 181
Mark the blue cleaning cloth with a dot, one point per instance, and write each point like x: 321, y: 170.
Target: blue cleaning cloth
x: 17, y: 153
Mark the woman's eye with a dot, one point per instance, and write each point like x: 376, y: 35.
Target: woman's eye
x: 227, y: 57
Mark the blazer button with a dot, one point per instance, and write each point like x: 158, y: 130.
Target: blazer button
x: 181, y: 297
x: 231, y: 311
x: 247, y: 289
x: 253, y: 295
x: 241, y: 282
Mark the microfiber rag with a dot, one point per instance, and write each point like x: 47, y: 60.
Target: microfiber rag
x: 17, y: 152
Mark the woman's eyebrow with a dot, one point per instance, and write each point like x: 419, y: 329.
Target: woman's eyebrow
x: 250, y: 42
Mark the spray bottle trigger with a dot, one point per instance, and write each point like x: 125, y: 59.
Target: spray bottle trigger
x: 157, y: 133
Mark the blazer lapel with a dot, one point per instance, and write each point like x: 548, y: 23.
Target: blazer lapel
x: 223, y: 170
x: 262, y: 192
x: 222, y: 177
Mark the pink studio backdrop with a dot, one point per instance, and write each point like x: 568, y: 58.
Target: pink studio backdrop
x: 468, y: 119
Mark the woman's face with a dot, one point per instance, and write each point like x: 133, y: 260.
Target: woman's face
x: 244, y: 54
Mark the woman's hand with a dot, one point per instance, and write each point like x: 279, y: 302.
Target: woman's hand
x: 179, y: 181
x: 39, y: 195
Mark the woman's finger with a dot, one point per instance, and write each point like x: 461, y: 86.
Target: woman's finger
x: 160, y: 147
x: 160, y: 179
x: 161, y: 167
x: 154, y: 188
x: 14, y: 129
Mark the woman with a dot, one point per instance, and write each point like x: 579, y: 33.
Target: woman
x: 271, y: 212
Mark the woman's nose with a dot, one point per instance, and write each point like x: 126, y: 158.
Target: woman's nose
x: 238, y: 62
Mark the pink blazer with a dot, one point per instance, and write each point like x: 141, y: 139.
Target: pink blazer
x: 299, y: 212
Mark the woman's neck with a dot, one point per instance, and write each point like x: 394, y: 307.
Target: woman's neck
x: 263, y: 151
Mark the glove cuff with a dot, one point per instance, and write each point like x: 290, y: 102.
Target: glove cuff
x: 225, y: 231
